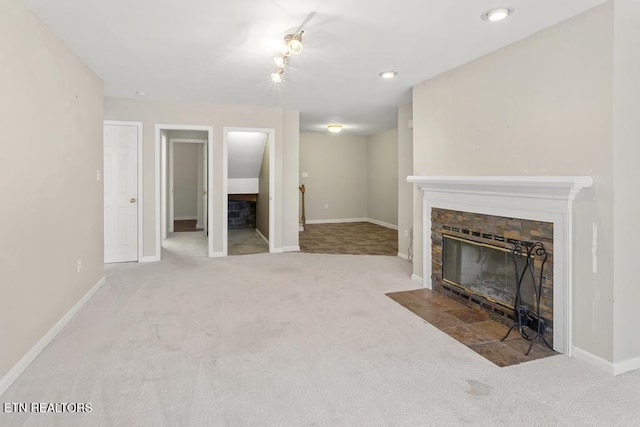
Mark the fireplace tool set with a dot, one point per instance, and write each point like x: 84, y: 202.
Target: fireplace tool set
x: 528, y: 322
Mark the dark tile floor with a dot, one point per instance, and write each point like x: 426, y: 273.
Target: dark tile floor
x: 470, y: 326
x: 182, y: 225
x: 352, y: 238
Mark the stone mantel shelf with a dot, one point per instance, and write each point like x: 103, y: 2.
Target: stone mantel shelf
x: 544, y: 187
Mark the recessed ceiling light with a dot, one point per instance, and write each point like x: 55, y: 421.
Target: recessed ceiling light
x: 388, y: 74
x: 497, y: 14
x: 141, y: 93
x: 334, y: 128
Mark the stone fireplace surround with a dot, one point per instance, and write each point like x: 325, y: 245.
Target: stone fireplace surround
x: 535, y: 198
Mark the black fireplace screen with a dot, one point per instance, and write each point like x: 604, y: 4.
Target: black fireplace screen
x: 485, y: 270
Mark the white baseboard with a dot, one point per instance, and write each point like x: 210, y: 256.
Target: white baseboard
x: 418, y: 279
x: 300, y: 227
x: 336, y: 221
x: 184, y: 218
x: 31, y: 355
x: 217, y: 255
x: 603, y: 364
x: 383, y: 224
x: 276, y: 251
x: 403, y: 256
x: 626, y: 366
x: 199, y: 225
x: 344, y: 220
x: 260, y: 235
x: 291, y: 249
x: 152, y: 258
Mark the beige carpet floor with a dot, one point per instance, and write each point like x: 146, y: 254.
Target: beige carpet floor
x: 292, y: 340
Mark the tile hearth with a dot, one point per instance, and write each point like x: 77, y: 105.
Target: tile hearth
x: 472, y: 327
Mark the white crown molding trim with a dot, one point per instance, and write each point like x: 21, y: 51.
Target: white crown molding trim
x: 537, y: 198
x: 31, y: 355
x: 152, y: 258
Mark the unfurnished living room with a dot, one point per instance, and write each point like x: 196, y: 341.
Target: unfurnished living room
x: 289, y: 213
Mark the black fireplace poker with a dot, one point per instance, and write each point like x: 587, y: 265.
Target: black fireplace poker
x: 527, y: 321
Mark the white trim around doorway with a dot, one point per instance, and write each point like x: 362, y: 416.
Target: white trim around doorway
x: 272, y: 183
x: 158, y: 196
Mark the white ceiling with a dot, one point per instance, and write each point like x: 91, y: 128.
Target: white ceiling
x: 221, y: 51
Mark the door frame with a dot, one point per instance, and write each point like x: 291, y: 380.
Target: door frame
x: 160, y: 198
x: 271, y: 133
x: 171, y: 217
x: 139, y: 197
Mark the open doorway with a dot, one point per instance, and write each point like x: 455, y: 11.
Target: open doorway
x: 249, y: 188
x: 185, y: 208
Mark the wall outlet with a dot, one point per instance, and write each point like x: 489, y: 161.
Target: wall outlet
x: 79, y: 265
x: 326, y: 205
x: 305, y: 174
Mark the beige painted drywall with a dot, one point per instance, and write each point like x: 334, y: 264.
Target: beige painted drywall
x: 52, y: 204
x: 541, y: 106
x: 337, y: 168
x: 626, y: 159
x: 151, y: 113
x: 405, y: 190
x: 262, y: 204
x: 290, y: 177
x: 382, y: 177
x: 185, y: 180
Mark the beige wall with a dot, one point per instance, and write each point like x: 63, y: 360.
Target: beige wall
x: 185, y: 180
x: 290, y: 176
x: 51, y: 203
x: 219, y: 116
x: 262, y: 204
x: 626, y: 159
x: 337, y: 167
x: 382, y: 177
x: 541, y: 106
x: 405, y: 169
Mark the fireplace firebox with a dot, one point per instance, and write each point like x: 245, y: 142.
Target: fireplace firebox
x: 472, y: 262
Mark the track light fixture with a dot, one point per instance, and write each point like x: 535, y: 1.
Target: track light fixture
x: 292, y: 45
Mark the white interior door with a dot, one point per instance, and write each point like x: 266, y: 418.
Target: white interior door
x: 205, y: 192
x: 120, y: 193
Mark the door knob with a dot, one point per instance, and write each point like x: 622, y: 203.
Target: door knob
x: 132, y: 200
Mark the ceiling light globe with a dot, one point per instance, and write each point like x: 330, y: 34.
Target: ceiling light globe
x: 279, y: 60
x: 334, y: 128
x: 295, y: 46
x: 276, y: 77
x: 388, y: 74
x: 497, y: 14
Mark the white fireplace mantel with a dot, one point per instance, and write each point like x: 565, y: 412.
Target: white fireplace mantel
x: 536, y: 198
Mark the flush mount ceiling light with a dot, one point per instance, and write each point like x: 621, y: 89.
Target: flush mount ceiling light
x: 292, y: 45
x: 334, y: 128
x: 497, y: 14
x: 388, y: 74
x: 141, y: 93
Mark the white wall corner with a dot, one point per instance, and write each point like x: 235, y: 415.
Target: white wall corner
x: 31, y: 355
